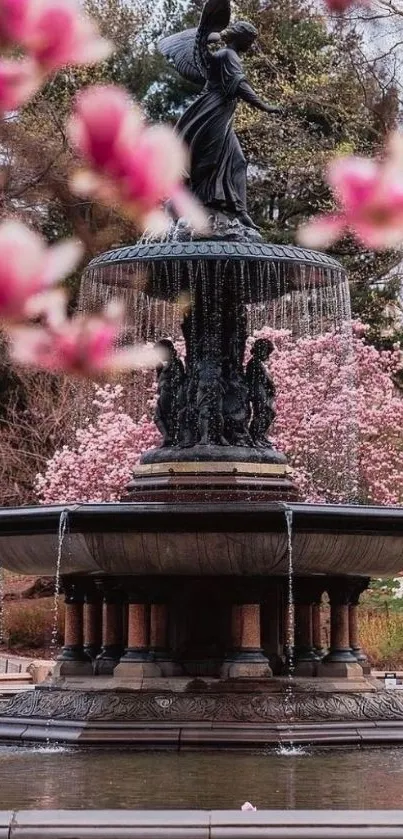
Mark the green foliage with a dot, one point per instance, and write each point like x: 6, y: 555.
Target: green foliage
x: 383, y: 595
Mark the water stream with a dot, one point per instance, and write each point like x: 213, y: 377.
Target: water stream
x: 63, y: 526
x: 1, y: 607
x: 290, y: 627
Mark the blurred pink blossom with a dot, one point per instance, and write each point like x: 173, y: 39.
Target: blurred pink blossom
x: 19, y: 80
x: 370, y: 194
x: 84, y: 345
x: 13, y: 21
x: 53, y: 32
x: 28, y: 267
x: 128, y: 163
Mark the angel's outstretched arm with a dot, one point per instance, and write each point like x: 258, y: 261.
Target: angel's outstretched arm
x: 246, y: 92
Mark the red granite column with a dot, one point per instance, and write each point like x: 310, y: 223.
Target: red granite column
x: 137, y: 661
x: 158, y: 628
x: 361, y: 585
x: 73, y: 661
x: 246, y: 658
x: 340, y: 660
x: 305, y: 592
x: 73, y: 624
x: 250, y: 627
x: 92, y: 624
x: 112, y: 628
x: 317, y: 628
x: 137, y: 636
x: 159, y: 649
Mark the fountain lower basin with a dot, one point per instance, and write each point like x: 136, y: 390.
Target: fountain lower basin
x: 204, y: 539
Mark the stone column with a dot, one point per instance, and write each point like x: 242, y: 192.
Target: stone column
x: 159, y: 640
x: 246, y: 658
x: 112, y: 628
x: 317, y: 627
x: 137, y: 661
x: 361, y: 584
x: 270, y: 622
x: 340, y: 661
x: 73, y: 661
x: 305, y: 593
x: 92, y: 623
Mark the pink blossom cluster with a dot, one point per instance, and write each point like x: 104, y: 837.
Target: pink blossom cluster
x: 339, y: 421
x: 98, y: 466
x: 339, y: 417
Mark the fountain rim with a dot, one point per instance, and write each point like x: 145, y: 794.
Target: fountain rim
x: 210, y: 249
x: 132, y: 517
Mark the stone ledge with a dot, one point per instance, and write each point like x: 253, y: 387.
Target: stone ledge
x: 196, y: 824
x: 188, y: 737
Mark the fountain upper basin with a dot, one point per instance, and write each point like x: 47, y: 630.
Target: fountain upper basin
x: 204, y: 539
x: 166, y: 269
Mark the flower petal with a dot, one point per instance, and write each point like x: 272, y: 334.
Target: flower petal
x: 137, y: 357
x: 187, y: 206
x: 19, y: 80
x: 52, y: 305
x: 321, y: 231
x: 354, y: 180
x: 61, y: 260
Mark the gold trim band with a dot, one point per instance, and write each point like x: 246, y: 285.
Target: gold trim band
x: 212, y: 467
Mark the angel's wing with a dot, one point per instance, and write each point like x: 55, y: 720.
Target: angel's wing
x: 180, y: 49
x: 214, y: 18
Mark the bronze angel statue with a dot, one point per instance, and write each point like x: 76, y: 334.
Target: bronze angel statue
x: 217, y: 164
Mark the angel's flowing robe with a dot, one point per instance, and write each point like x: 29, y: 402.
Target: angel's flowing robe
x: 217, y: 165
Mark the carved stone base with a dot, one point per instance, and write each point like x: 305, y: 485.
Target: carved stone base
x: 190, y: 718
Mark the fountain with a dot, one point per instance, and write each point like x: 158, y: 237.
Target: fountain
x: 192, y: 607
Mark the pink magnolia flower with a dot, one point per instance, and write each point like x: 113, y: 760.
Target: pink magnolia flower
x: 371, y: 197
x: 28, y: 267
x: 53, y: 32
x: 18, y: 82
x: 82, y: 345
x: 128, y: 163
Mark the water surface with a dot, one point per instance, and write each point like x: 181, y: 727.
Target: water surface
x: 69, y: 778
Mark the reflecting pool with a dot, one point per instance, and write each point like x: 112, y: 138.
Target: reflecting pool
x: 56, y: 777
